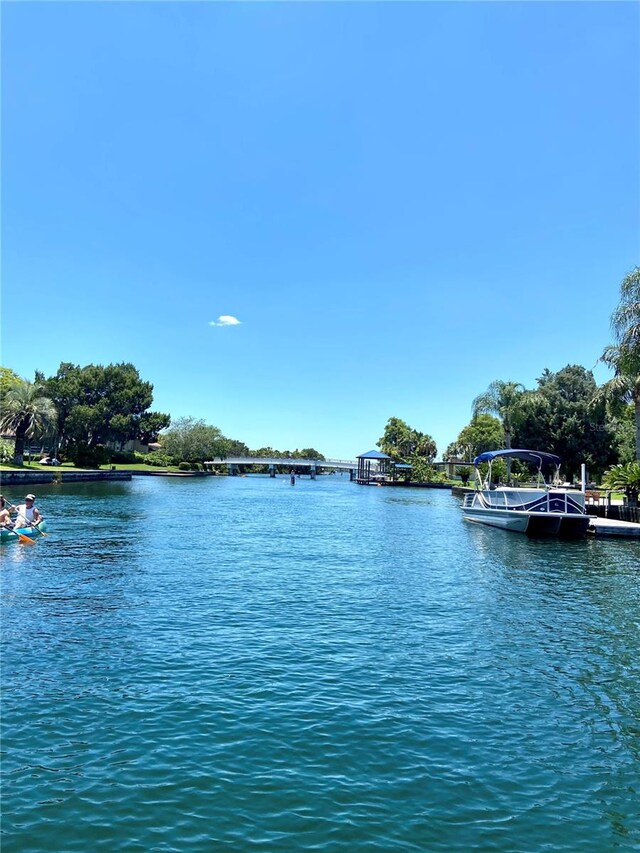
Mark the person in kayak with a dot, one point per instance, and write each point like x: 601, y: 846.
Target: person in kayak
x: 5, y: 515
x: 28, y: 513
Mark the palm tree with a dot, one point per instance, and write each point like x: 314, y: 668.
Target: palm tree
x: 25, y: 412
x: 625, y: 320
x: 504, y: 400
x: 624, y: 357
x: 625, y: 386
x: 624, y: 477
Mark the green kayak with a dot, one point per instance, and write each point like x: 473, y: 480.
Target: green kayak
x: 32, y: 532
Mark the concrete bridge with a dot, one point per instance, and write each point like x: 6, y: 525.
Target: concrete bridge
x: 234, y: 462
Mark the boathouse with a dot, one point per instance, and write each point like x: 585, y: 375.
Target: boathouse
x: 373, y: 467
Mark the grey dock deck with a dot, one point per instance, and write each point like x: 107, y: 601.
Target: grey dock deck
x: 605, y: 527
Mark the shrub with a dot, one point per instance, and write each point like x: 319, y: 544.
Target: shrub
x: 626, y: 477
x: 123, y: 457
x: 422, y: 472
x: 158, y: 460
x: 128, y: 457
x: 6, y: 451
x: 464, y: 473
x: 88, y: 457
x: 185, y: 466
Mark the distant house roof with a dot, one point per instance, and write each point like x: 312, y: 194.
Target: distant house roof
x: 402, y: 465
x: 154, y: 445
x: 373, y: 454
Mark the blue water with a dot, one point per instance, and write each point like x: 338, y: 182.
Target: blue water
x: 236, y: 663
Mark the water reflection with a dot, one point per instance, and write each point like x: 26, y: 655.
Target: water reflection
x: 328, y: 644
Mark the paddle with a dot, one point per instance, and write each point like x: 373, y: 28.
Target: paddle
x: 21, y: 536
x: 24, y: 538
x: 36, y: 527
x: 33, y: 525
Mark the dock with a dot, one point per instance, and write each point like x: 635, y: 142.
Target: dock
x: 613, y: 528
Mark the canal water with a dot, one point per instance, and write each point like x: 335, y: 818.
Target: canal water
x: 241, y: 664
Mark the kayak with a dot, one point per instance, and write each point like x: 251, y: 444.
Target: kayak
x: 31, y: 532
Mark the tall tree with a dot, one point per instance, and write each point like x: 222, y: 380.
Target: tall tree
x: 267, y: 452
x: 235, y: 447
x: 150, y: 424
x: 625, y: 320
x: 623, y: 426
x: 483, y: 433
x: 99, y: 404
x: 26, y: 411
x: 402, y: 443
x: 397, y: 440
x: 624, y: 357
x: 624, y: 388
x: 8, y: 379
x: 504, y: 400
x: 308, y: 453
x: 192, y: 440
x: 405, y: 444
x: 563, y: 417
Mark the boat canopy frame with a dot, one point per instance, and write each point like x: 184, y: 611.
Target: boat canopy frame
x: 535, y: 457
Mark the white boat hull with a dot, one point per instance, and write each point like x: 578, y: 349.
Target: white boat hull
x: 537, y: 513
x: 516, y: 521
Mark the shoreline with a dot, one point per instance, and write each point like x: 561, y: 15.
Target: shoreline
x: 16, y: 478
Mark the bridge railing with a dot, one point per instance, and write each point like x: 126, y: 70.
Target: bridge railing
x: 272, y: 460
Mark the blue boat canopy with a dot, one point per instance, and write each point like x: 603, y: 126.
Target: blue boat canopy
x: 536, y: 456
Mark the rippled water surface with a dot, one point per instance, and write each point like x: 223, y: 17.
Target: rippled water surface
x: 235, y: 663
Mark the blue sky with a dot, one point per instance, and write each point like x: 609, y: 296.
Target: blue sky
x: 400, y: 203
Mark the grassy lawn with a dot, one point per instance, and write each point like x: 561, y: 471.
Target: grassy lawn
x: 36, y: 466
x: 68, y: 466
x: 138, y: 467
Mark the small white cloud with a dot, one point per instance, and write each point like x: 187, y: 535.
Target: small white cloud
x: 225, y: 320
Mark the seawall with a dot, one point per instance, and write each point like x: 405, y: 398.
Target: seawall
x: 28, y: 478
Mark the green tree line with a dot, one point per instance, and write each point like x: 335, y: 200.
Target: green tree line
x: 567, y: 413
x: 86, y: 414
